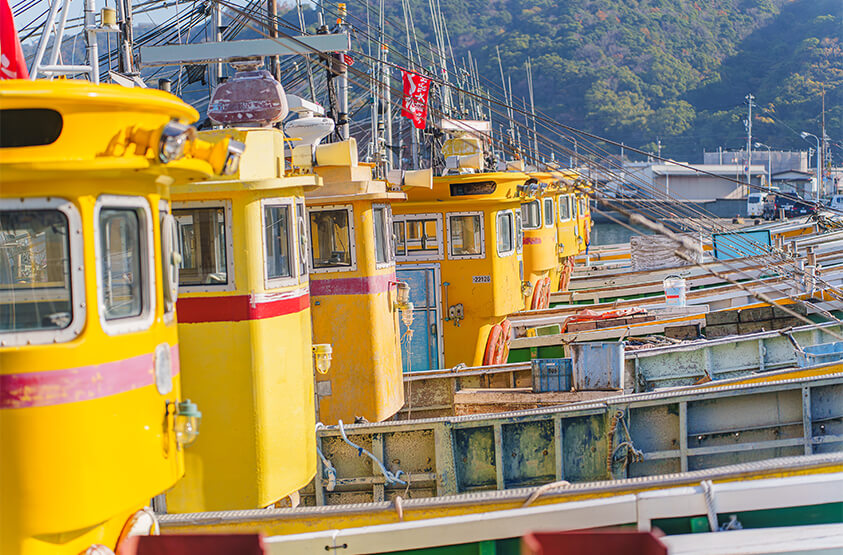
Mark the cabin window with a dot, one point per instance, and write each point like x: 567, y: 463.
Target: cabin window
x: 381, y: 216
x: 418, y: 236
x: 121, y: 263
x: 548, y: 212
x: 278, y: 248
x: 465, y: 235
x: 531, y: 215
x: 332, y: 238
x: 303, y: 253
x: 124, y: 263
x: 20, y: 127
x: 34, y: 271
x: 202, y: 238
x: 41, y: 274
x: 583, y: 206
x: 564, y: 208
x: 519, y: 233
x: 505, y: 221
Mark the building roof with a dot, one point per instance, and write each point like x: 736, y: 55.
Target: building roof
x: 702, y: 169
x: 792, y: 175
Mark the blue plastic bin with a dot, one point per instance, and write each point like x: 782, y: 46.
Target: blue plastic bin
x: 820, y: 354
x: 552, y: 374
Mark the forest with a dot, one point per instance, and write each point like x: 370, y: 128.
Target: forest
x: 674, y: 71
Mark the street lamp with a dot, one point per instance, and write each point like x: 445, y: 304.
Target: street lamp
x: 769, y: 164
x: 805, y: 135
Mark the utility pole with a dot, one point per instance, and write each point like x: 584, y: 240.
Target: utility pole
x: 217, y: 22
x: 272, y: 18
x: 749, y: 99
x: 825, y: 157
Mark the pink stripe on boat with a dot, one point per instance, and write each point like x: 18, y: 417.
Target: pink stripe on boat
x: 71, y: 385
x: 351, y: 286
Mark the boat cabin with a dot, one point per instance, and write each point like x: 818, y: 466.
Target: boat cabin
x: 244, y: 316
x: 354, y: 293
x: 91, y: 412
x: 459, y: 246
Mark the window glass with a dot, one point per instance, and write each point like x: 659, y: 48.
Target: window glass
x: 398, y: 229
x: 381, y: 245
x: 505, y: 232
x: 417, y: 237
x: 34, y: 271
x: 583, y: 206
x: 466, y: 235
x: 202, y: 239
x: 564, y: 208
x: 519, y: 233
x: 121, y: 277
x: 548, y: 211
x: 276, y: 229
x: 302, y: 232
x: 330, y: 238
x: 531, y: 215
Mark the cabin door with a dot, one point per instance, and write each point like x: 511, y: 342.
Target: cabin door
x: 423, y: 351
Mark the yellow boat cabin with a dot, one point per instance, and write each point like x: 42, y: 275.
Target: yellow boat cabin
x: 91, y: 416
x: 356, y: 300
x: 244, y: 315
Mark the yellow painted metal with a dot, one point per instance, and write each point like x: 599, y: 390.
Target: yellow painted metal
x: 75, y: 464
x: 489, y: 288
x: 355, y: 310
x: 289, y: 522
x: 251, y: 373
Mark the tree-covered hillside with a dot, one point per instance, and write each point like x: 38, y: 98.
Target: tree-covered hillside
x: 675, y: 70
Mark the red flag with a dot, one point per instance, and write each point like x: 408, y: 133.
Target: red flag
x: 12, y: 63
x: 414, y: 104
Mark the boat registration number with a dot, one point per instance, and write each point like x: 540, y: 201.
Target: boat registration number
x: 481, y: 279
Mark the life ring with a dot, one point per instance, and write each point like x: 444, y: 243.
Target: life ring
x: 587, y: 234
x: 506, y: 330
x: 567, y: 270
x: 494, y: 345
x: 541, y: 294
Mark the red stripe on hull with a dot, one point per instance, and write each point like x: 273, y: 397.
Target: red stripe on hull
x: 71, y: 385
x: 237, y: 308
x: 369, y: 285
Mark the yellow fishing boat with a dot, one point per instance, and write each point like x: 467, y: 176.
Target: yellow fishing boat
x: 459, y: 245
x: 552, y: 234
x: 90, y: 411
x: 244, y: 314
x: 356, y: 300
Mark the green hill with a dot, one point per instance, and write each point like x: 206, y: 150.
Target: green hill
x: 676, y: 70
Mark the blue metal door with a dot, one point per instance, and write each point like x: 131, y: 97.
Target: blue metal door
x: 421, y: 352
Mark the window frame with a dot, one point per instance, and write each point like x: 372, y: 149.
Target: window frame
x: 229, y: 244
x: 540, y: 218
x: 568, y: 201
x: 548, y: 201
x: 148, y: 271
x: 582, y: 206
x: 76, y: 265
x: 513, y: 232
x: 352, y: 243
x: 451, y: 255
x: 303, y: 250
x: 292, y: 247
x: 439, y: 240
x: 387, y: 235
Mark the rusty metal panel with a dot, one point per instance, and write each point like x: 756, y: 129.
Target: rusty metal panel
x: 527, y: 453
x: 624, y: 436
x: 474, y: 450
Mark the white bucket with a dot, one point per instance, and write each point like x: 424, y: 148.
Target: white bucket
x: 674, y: 291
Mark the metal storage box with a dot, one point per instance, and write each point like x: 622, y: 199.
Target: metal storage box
x: 597, y: 365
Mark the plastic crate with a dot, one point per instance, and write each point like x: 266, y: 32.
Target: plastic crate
x: 552, y: 374
x: 820, y: 354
